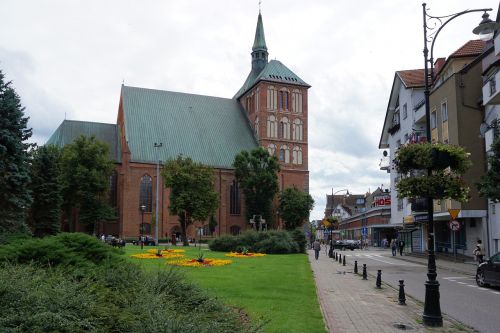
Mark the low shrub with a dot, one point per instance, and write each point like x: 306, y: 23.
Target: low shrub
x: 300, y: 238
x: 65, y: 249
x: 265, y: 242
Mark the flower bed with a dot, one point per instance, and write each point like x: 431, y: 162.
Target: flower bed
x: 154, y: 255
x: 166, y: 251
x: 244, y: 255
x: 197, y: 263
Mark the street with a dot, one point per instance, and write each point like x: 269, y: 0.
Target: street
x: 460, y: 296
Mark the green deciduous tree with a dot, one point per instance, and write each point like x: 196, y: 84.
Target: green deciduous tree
x: 294, y: 207
x: 86, y: 170
x: 257, y: 173
x: 192, y: 194
x: 45, y: 213
x: 489, y: 186
x: 15, y: 197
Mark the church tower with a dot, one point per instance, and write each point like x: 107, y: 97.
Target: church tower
x: 275, y: 100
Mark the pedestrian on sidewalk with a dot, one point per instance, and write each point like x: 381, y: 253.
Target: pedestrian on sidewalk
x: 401, y: 246
x: 316, y: 248
x: 393, y: 247
x: 479, y: 251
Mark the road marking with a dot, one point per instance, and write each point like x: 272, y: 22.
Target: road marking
x: 456, y: 277
x: 471, y: 285
x: 495, y: 292
x: 460, y: 282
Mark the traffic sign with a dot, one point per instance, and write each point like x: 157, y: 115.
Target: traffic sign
x: 453, y: 213
x: 454, y: 225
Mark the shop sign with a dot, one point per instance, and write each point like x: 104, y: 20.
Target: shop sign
x: 420, y: 218
x: 381, y: 201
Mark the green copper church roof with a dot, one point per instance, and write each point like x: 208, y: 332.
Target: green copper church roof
x: 260, y: 39
x: 69, y: 130
x: 274, y: 71
x: 210, y: 130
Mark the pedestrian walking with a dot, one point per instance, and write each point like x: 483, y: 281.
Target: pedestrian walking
x: 401, y: 245
x: 393, y: 247
x: 316, y: 248
x: 479, y: 251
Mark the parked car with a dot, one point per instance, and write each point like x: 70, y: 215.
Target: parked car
x: 148, y: 240
x: 346, y: 244
x: 488, y: 272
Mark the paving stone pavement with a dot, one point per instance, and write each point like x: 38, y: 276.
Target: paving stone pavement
x: 351, y: 304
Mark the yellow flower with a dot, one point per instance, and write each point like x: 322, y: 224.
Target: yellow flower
x: 196, y: 263
x: 150, y: 255
x: 244, y: 255
x: 166, y: 251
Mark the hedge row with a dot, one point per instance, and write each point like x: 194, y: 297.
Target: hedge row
x: 277, y: 242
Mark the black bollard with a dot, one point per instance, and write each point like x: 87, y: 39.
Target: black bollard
x: 330, y: 252
x: 336, y: 256
x: 379, y: 279
x: 343, y: 261
x: 364, y: 272
x: 340, y: 258
x: 402, y: 298
x: 355, y: 267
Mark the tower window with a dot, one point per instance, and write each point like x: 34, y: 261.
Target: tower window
x: 146, y: 193
x: 234, y: 202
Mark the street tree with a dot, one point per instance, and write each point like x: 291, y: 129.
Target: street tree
x: 257, y: 173
x: 86, y: 170
x: 45, y: 212
x: 295, y: 207
x: 15, y: 196
x: 489, y: 186
x: 192, y: 194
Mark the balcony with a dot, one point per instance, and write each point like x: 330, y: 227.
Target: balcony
x: 491, y: 94
x: 394, y: 128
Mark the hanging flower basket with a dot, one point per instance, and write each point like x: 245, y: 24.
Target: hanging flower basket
x: 437, y: 186
x: 435, y: 156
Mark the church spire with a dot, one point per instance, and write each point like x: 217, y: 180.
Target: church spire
x: 259, y: 48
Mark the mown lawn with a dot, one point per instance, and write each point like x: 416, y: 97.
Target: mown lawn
x: 278, y: 289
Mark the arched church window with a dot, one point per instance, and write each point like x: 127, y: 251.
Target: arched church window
x: 272, y: 127
x: 297, y: 129
x: 146, y: 193
x: 272, y: 98
x: 234, y: 199
x: 285, y: 154
x: 283, y: 99
x: 271, y: 148
x: 256, y: 127
x: 297, y: 155
x: 296, y: 101
x: 284, y: 128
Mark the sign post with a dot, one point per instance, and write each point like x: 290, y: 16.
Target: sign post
x: 454, y: 226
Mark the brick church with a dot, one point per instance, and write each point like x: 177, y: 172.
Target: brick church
x: 269, y: 110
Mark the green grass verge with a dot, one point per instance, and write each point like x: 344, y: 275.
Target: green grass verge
x: 276, y: 288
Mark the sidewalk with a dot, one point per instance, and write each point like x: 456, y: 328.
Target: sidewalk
x: 350, y: 304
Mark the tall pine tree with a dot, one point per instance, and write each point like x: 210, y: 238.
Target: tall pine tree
x: 45, y: 214
x: 15, y: 197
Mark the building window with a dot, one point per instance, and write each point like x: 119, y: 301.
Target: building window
x: 283, y: 100
x: 433, y: 120
x: 405, y: 138
x: 234, y: 230
x: 285, y: 128
x: 297, y: 155
x: 297, y: 130
x: 405, y: 111
x: 493, y: 85
x: 444, y: 111
x: 271, y: 149
x: 256, y: 128
x: 146, y: 193
x: 400, y: 204
x: 285, y: 154
x: 395, y: 118
x: 113, y: 191
x: 296, y: 101
x: 272, y: 127
x: 271, y: 98
x: 234, y: 199
x: 257, y: 100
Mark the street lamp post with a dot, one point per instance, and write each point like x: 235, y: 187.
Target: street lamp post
x: 142, y: 208
x: 432, y: 310
x: 157, y: 145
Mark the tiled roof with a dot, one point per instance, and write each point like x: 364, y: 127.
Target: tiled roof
x: 412, y: 78
x: 210, y: 130
x: 274, y: 71
x: 470, y: 49
x: 69, y: 130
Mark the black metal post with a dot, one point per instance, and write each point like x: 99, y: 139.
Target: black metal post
x: 142, y: 228
x: 365, y: 276
x: 402, y: 298
x: 343, y: 261
x: 340, y: 258
x: 336, y: 256
x: 355, y: 267
x: 432, y: 309
x: 379, y: 279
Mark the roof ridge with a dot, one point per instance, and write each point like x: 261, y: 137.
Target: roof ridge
x: 85, y: 121
x: 177, y: 92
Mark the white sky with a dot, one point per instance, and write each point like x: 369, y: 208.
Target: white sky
x: 69, y: 58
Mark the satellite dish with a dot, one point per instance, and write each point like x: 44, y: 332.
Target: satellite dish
x: 385, y: 153
x: 483, y: 128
